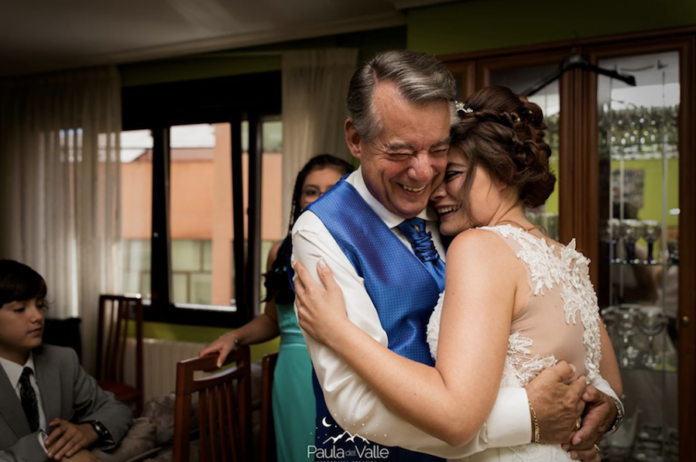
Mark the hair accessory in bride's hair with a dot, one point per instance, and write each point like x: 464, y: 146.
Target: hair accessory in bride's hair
x: 459, y: 106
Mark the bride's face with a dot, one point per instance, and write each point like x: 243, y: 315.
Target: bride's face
x: 483, y: 196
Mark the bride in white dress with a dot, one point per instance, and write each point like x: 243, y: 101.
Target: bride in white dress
x: 515, y: 301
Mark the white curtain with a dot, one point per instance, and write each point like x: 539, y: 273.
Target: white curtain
x: 315, y: 85
x: 60, y: 187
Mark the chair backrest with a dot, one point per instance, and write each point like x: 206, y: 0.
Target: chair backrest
x: 224, y: 408
x: 268, y: 443
x: 116, y: 312
x: 63, y: 332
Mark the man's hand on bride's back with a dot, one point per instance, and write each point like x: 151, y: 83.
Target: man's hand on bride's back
x: 558, y: 406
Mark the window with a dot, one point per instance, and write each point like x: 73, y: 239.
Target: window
x: 189, y: 187
x: 136, y: 210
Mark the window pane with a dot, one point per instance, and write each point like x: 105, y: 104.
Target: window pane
x: 201, y: 208
x: 272, y: 184
x: 201, y: 215
x: 187, y: 255
x: 638, y: 258
x: 136, y: 210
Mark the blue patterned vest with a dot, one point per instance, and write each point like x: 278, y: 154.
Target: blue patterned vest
x: 401, y: 288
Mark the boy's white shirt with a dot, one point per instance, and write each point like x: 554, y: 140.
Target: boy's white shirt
x: 14, y: 372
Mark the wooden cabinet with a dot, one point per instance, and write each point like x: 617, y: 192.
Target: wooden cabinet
x: 625, y: 158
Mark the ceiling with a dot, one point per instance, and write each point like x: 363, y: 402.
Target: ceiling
x: 45, y: 35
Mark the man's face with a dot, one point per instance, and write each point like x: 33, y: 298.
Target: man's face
x: 406, y: 161
x: 21, y: 328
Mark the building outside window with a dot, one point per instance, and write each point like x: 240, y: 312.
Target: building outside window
x: 200, y: 204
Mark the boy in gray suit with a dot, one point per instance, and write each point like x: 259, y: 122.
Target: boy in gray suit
x: 49, y: 407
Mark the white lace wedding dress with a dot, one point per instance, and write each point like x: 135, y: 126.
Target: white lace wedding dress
x: 559, y: 322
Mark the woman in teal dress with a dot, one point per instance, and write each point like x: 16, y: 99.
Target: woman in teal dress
x: 293, y: 395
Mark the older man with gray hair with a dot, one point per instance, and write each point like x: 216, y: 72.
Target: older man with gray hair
x: 399, y: 107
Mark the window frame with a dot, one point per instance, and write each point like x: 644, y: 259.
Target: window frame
x: 233, y: 99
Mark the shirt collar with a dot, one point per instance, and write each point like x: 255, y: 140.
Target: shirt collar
x: 391, y: 219
x: 14, y: 370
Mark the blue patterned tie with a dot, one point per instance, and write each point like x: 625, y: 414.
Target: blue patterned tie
x: 424, y: 248
x: 28, y: 397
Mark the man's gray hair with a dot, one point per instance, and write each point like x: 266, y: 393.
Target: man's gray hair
x: 419, y: 77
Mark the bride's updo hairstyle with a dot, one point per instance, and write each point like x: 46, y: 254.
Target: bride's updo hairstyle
x: 503, y: 133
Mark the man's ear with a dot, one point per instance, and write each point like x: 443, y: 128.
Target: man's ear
x: 353, y: 139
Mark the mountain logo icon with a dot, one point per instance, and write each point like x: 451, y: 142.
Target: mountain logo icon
x: 350, y: 437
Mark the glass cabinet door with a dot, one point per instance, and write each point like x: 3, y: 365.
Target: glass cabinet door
x: 625, y: 158
x: 639, y: 248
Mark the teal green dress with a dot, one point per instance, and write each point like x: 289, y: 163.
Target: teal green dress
x: 293, y: 396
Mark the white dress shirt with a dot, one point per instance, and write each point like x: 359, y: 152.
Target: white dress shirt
x: 14, y: 372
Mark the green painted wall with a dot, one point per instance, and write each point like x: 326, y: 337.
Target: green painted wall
x: 655, y: 170
x: 198, y: 334
x: 552, y: 201
x: 220, y: 64
x: 451, y: 28
x: 489, y: 24
x: 193, y: 68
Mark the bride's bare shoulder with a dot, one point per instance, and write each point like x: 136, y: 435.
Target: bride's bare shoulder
x: 477, y: 242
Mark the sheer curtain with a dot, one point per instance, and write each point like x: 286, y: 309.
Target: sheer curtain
x: 315, y: 85
x: 60, y: 187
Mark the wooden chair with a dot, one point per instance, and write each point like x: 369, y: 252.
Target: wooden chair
x: 224, y: 411
x: 116, y: 312
x: 268, y: 442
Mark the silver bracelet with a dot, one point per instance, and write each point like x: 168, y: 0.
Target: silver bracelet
x: 236, y: 340
x: 619, y: 416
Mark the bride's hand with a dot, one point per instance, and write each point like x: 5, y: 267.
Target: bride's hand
x: 320, y: 309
